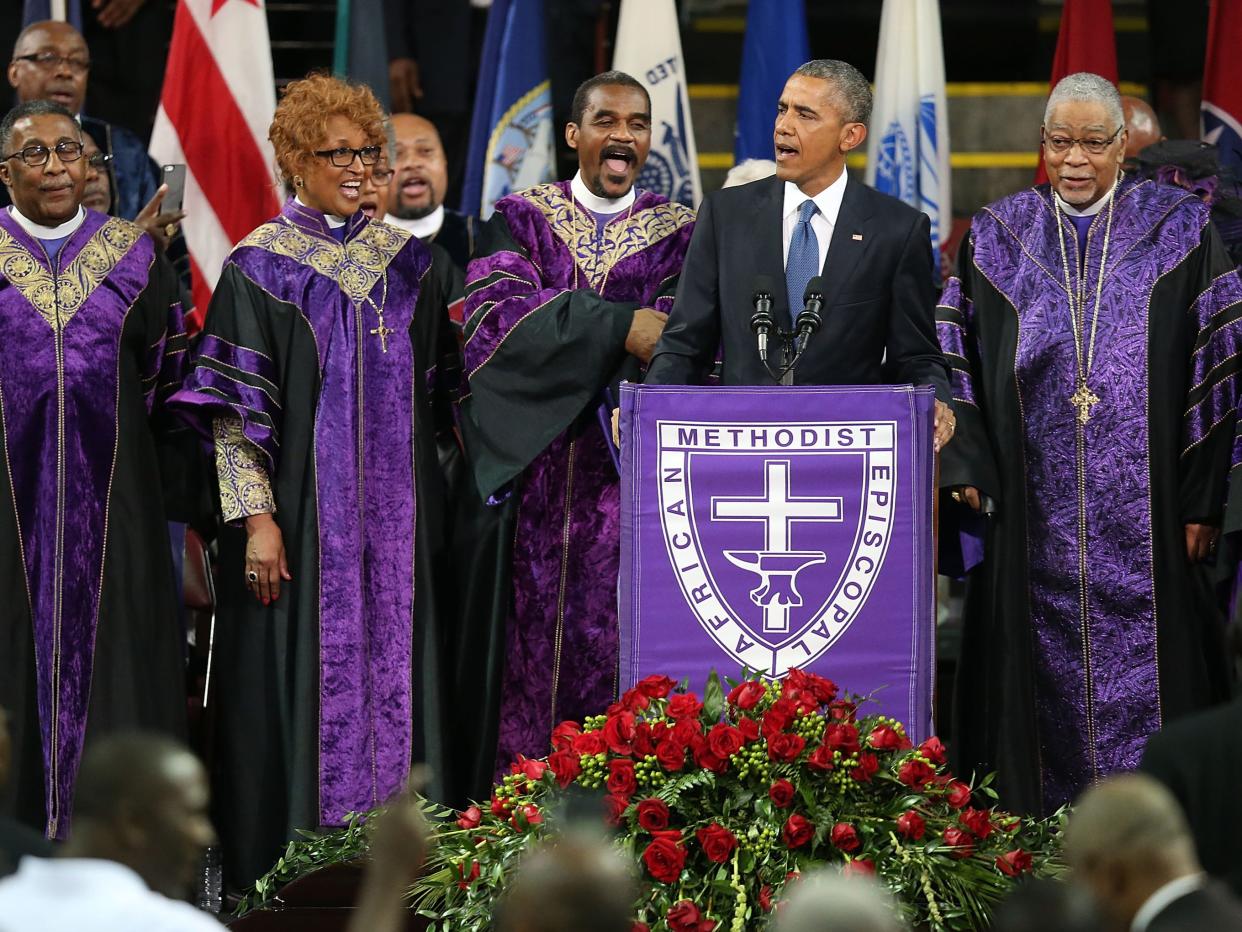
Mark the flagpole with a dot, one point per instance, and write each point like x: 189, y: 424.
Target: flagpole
x: 340, y: 52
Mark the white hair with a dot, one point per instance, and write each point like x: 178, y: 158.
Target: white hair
x: 749, y: 170
x: 1085, y: 87
x: 826, y: 901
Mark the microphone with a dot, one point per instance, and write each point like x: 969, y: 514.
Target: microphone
x: 761, y: 321
x: 810, y: 318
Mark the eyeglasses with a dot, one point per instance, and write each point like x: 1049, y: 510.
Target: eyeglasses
x: 382, y: 175
x: 99, y: 159
x: 1093, y: 146
x: 50, y: 60
x: 34, y: 156
x: 344, y: 156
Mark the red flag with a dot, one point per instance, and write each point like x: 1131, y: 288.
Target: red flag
x: 1222, y: 83
x: 215, y: 109
x: 1086, y: 42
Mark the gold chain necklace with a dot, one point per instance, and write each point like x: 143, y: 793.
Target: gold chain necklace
x: 613, y: 254
x: 1083, y: 398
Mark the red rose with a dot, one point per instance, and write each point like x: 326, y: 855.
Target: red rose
x: 765, y: 898
x: 915, y: 773
x: 467, y: 878
x: 842, y: 710
x: 533, y: 770
x: 643, y: 742
x: 686, y: 705
x: 859, y: 867
x: 619, y: 733
x: 777, y: 718
x: 526, y: 814
x: 821, y: 759
x: 717, y: 842
x: 797, y: 831
x: 1014, y: 862
x: 614, y: 809
x: 704, y: 757
x: 823, y: 690
x: 684, y: 916
x: 802, y: 699
x: 590, y: 742
x: 725, y: 740
x: 884, y: 738
x: 868, y: 764
x: 640, y: 927
x: 621, y: 780
x: 632, y: 700
x: 933, y: 750
x: 784, y: 747
x: 749, y: 729
x: 845, y: 837
x: 781, y: 793
x: 841, y: 736
x: 500, y: 806
x: 655, y: 686
x: 911, y: 825
x: 747, y: 695
x: 685, y: 731
x: 793, y: 877
x: 563, y: 735
x: 979, y: 821
x: 653, y: 815
x: 671, y: 755
x: 958, y: 794
x: 1011, y: 826
x: 665, y: 859
x: 566, y: 765
x: 960, y: 841
x: 471, y: 818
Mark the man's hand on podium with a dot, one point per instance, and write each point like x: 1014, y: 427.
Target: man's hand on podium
x: 943, y: 429
x: 968, y: 495
x: 645, y: 333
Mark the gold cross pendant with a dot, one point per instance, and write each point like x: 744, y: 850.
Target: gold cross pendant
x: 1083, y: 400
x: 383, y: 333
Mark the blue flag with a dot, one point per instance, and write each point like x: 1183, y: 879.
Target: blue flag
x: 775, y: 45
x: 511, y: 130
x: 36, y: 11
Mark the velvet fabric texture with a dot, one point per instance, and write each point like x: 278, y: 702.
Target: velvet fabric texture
x: 1086, y: 624
x: 550, y: 301
x: 93, y: 345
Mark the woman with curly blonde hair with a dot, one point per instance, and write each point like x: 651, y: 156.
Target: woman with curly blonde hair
x: 314, y: 380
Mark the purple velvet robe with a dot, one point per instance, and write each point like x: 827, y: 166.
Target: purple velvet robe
x: 89, y: 643
x: 548, y: 310
x: 327, y: 351
x: 1086, y: 625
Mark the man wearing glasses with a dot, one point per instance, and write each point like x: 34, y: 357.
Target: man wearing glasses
x: 1093, y: 337
x: 92, y: 345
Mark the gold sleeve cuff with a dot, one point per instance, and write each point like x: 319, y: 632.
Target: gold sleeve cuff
x: 245, y: 488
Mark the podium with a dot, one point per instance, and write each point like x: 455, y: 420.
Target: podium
x: 776, y: 527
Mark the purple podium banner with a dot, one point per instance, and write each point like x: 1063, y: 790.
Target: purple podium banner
x: 773, y: 528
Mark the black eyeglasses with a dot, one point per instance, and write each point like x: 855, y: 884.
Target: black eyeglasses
x: 1095, y: 145
x: 99, y: 159
x: 382, y: 175
x: 344, y: 156
x: 34, y: 156
x: 50, y: 60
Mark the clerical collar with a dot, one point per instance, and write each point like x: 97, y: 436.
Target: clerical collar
x: 600, y: 205
x: 38, y: 231
x: 422, y: 227
x: 332, y: 220
x: 1090, y: 211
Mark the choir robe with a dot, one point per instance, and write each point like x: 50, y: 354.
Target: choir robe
x: 1086, y: 625
x: 89, y: 639
x: 330, y: 354
x: 546, y: 325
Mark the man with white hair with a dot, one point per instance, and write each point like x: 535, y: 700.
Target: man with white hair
x: 1093, y: 340
x: 827, y: 901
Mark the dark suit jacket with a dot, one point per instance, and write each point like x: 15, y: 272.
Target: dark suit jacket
x: 1209, y: 908
x: 1199, y: 758
x: 879, y: 309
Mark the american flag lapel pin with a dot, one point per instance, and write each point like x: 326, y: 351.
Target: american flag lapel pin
x: 857, y: 236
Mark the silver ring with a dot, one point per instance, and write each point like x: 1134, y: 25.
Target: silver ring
x: 252, y: 576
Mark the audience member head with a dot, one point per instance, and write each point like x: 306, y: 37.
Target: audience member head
x: 749, y: 170
x: 827, y: 901
x: 421, y: 170
x: 577, y: 883
x: 1126, y: 838
x: 373, y: 200
x: 97, y: 194
x: 1084, y: 136
x: 1041, y: 904
x: 328, y: 134
x: 822, y: 115
x: 141, y: 799
x: 610, y: 128
x: 51, y: 62
x: 1142, y: 125
x: 43, y: 166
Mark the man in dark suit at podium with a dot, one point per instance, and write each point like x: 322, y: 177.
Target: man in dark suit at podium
x: 872, y: 252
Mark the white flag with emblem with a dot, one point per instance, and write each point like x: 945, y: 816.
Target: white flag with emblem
x: 649, y: 49
x: 908, y: 149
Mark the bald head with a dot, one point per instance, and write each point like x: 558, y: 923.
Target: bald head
x: 420, y: 169
x: 50, y: 62
x: 829, y: 902
x: 1142, y: 124
x: 580, y: 883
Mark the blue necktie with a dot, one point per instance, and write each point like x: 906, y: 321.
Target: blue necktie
x: 803, y: 262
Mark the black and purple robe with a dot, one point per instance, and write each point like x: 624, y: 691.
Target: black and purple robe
x: 328, y: 351
x: 1086, y: 625
x: 90, y: 643
x: 545, y: 348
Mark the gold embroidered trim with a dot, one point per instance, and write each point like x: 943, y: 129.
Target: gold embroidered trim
x: 245, y: 488
x: 355, y: 266
x: 59, y: 298
x: 621, y: 240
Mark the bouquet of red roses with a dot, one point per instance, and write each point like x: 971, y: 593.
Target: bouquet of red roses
x: 727, y: 800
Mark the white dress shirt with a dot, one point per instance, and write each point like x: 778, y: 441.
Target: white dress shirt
x: 823, y: 223
x: 90, y: 895
x: 423, y: 226
x: 1159, y: 901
